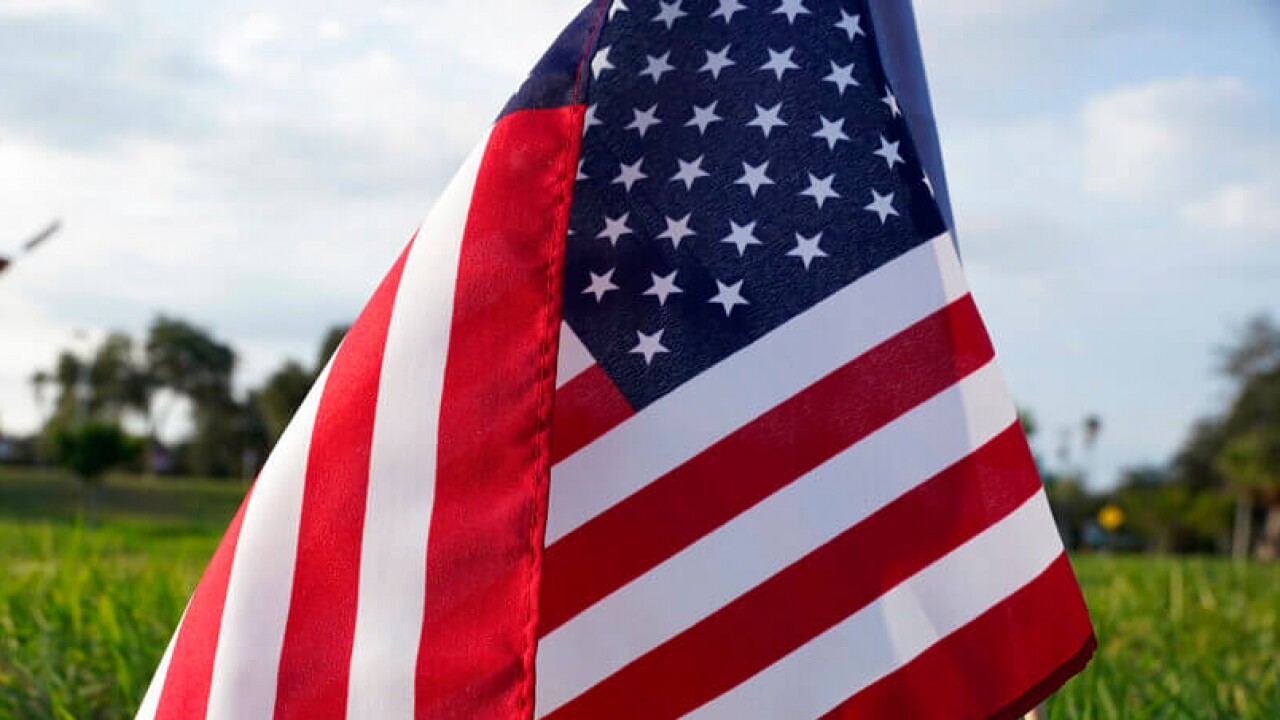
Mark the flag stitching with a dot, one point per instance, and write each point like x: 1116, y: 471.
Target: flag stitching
x: 549, y: 351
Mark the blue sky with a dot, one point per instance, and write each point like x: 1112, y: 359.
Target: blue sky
x: 255, y: 167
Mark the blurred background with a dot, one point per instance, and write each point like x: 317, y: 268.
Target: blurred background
x: 196, y: 198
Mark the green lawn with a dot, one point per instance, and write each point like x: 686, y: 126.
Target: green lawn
x: 86, y: 611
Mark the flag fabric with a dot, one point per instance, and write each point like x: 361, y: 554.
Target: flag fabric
x: 676, y: 405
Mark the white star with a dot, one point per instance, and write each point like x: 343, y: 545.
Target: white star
x: 832, y: 131
x: 741, y: 236
x: 888, y: 151
x: 728, y: 296
x: 928, y: 183
x: 780, y: 62
x: 881, y: 205
x: 891, y: 101
x: 820, y: 188
x: 589, y: 118
x: 663, y: 287
x: 842, y: 76
x: 689, y: 172
x: 656, y: 66
x: 600, y: 284
x: 649, y: 345
x: 677, y: 230
x: 600, y: 62
x: 582, y: 175
x: 851, y: 24
x: 807, y: 249
x: 703, y: 116
x: 791, y: 8
x: 618, y: 6
x: 629, y: 174
x: 767, y: 118
x: 727, y: 9
x: 643, y: 120
x: 669, y: 12
x: 717, y: 61
x: 753, y: 176
x: 615, y: 228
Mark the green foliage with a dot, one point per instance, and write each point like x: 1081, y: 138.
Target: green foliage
x: 187, y: 360
x: 281, y: 395
x: 118, y: 379
x: 1255, y: 349
x: 1073, y: 506
x: 1251, y: 462
x: 92, y: 448
x: 123, y: 381
x: 1171, y: 517
x: 86, y: 612
x: 329, y: 345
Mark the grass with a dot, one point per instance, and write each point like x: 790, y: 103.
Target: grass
x: 1178, y: 638
x: 85, y: 611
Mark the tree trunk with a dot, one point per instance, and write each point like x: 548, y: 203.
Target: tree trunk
x: 1269, y: 543
x: 1244, y: 526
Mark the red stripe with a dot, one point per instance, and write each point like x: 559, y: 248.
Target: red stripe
x: 1000, y: 665
x: 587, y: 407
x: 475, y: 659
x: 757, y: 460
x: 185, y: 694
x: 316, y: 656
x: 821, y: 589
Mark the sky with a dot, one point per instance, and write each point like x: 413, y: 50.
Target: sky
x: 255, y: 167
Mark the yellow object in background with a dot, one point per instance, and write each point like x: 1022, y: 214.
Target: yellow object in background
x: 1110, y: 517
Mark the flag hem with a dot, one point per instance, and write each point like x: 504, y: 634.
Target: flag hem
x: 1051, y: 683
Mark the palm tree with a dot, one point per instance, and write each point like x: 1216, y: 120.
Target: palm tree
x: 1251, y: 465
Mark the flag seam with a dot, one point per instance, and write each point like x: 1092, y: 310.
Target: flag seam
x: 549, y: 351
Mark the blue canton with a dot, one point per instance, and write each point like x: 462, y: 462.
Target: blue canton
x: 741, y: 161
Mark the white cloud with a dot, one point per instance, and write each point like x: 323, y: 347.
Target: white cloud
x: 237, y: 48
x: 1170, y: 137
x: 503, y: 37
x: 28, y: 8
x: 1244, y: 206
x: 331, y: 30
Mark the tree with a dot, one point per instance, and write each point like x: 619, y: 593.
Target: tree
x: 187, y: 361
x: 280, y: 397
x: 1255, y: 350
x: 1195, y: 464
x: 1251, y: 465
x: 92, y: 448
x: 329, y: 345
x: 118, y: 379
x: 1154, y: 506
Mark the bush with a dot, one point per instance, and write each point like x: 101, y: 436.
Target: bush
x: 91, y: 449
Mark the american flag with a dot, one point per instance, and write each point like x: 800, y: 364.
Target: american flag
x: 676, y: 405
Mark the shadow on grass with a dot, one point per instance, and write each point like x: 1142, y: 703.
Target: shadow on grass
x: 162, y: 508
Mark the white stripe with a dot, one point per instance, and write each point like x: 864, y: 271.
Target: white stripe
x: 780, y: 530
x: 402, y: 465
x: 574, y: 356
x: 261, y: 582
x: 901, y: 624
x: 151, y: 701
x: 749, y: 383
